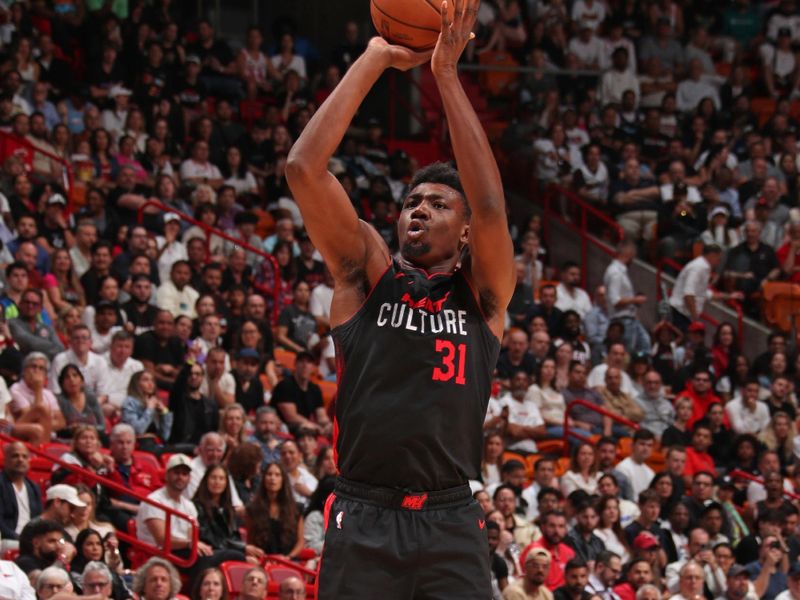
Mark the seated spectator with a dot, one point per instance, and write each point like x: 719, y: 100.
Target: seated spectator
x: 245, y: 466
x: 274, y: 523
x: 299, y: 400
x: 615, y: 358
x: 609, y: 527
x: 85, y: 453
x: 576, y: 576
x: 698, y: 460
x: 700, y: 392
x: 789, y: 253
x: 160, y: 350
x: 81, y: 355
x: 157, y: 579
x: 292, y: 587
x: 267, y: 432
x: 119, y: 368
x: 217, y: 517
x: 768, y: 574
x: 584, y: 418
x: 254, y: 584
x: 99, y: 577
x: 779, y: 436
x: 233, y: 422
x: 31, y: 402
x: 582, y: 473
x: 554, y: 530
x: 176, y: 295
x: 296, y: 330
x: 547, y: 309
x: 210, y: 452
x: 581, y: 538
x: 302, y: 482
x: 139, y: 309
x: 606, y: 572
x: 659, y: 413
x: 617, y: 401
x: 634, y: 467
x: 515, y: 357
x: 30, y: 334
x: 41, y: 545
x: 249, y: 391
x: 14, y: 584
x: 52, y: 581
x: 79, y: 406
x: 779, y: 65
x: 689, y: 581
x: 21, y: 499
x: 144, y: 411
x: 132, y: 472
x: 647, y: 521
x: 524, y: 422
x: 532, y: 585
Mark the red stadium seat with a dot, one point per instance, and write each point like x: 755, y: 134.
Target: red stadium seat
x: 234, y: 572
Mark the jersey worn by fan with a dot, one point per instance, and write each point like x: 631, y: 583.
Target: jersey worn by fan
x: 415, y: 369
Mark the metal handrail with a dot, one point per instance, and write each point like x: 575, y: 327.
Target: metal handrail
x: 704, y: 316
x: 581, y: 228
x: 598, y: 409
x: 70, y: 179
x: 274, y: 292
x: 169, y: 513
x: 743, y: 475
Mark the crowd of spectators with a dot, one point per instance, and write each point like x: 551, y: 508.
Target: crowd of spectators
x: 155, y: 335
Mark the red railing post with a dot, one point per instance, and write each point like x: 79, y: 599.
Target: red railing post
x: 597, y: 409
x: 169, y: 512
x: 276, y: 288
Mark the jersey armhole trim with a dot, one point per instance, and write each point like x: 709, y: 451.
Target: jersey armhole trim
x: 349, y: 319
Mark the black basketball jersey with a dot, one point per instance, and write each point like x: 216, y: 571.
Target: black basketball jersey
x: 415, y: 371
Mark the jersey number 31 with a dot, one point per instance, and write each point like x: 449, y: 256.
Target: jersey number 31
x: 449, y: 368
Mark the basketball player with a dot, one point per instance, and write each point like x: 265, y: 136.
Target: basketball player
x: 417, y: 337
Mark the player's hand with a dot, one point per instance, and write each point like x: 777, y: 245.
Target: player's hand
x: 454, y: 36
x: 399, y: 57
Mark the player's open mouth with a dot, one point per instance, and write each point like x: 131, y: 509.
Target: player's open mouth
x: 415, y: 230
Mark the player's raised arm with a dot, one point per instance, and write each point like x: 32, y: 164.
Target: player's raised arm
x: 331, y: 221
x: 491, y: 250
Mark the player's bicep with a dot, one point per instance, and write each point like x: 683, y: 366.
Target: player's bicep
x: 330, y: 219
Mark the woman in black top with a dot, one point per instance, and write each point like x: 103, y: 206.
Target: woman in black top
x: 216, y: 516
x: 91, y: 546
x: 274, y: 522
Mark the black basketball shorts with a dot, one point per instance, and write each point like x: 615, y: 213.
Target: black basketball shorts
x: 387, y: 544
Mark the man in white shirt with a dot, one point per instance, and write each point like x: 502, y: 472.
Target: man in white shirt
x: 544, y: 476
x: 692, y: 289
x: 320, y: 302
x: 618, y: 80
x: 525, y: 422
x: 587, y: 47
x: 694, y: 89
x: 607, y: 570
x: 113, y: 119
x: 746, y: 414
x: 176, y: 295
x: 198, y: 169
x: 150, y: 521
x: 119, y: 367
x: 14, y: 584
x: 615, y: 358
x: 634, y: 467
x: 590, y: 13
x: 210, y: 451
x: 81, y: 252
x: 623, y: 301
x: 80, y: 354
x: 569, y: 295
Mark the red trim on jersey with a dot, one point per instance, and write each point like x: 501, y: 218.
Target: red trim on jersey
x: 326, y: 514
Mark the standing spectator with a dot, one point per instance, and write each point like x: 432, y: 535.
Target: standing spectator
x: 570, y: 295
x: 623, y: 301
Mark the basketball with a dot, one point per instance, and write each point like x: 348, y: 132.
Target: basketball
x: 414, y: 24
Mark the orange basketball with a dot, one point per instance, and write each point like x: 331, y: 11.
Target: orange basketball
x: 411, y: 23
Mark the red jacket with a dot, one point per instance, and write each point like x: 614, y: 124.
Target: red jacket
x: 561, y: 554
x: 143, y: 478
x: 700, y: 404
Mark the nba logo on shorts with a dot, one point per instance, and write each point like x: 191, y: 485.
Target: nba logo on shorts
x: 339, y: 518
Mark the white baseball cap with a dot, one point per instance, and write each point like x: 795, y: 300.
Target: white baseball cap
x: 179, y: 460
x: 67, y: 493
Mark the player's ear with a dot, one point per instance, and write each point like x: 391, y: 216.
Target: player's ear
x: 464, y: 240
